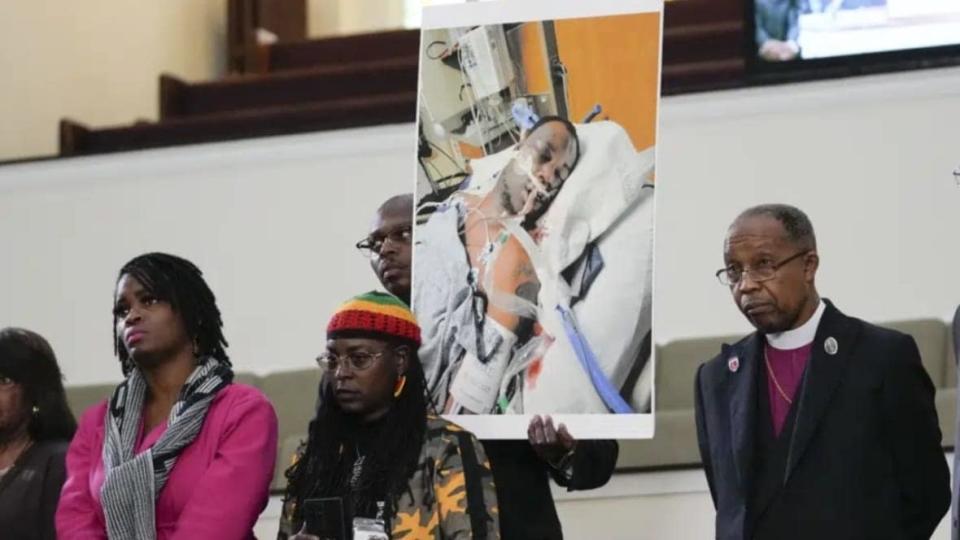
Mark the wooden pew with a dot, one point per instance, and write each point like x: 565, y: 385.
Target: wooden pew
x: 285, y: 20
x: 180, y: 99
x: 340, y: 50
x: 77, y: 139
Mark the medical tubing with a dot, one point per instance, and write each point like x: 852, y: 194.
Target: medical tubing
x: 610, y: 396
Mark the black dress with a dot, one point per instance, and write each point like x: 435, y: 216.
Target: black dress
x: 30, y: 490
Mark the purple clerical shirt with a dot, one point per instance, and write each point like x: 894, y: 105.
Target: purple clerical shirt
x: 785, y: 366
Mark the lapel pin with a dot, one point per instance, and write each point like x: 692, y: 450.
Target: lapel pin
x: 830, y: 345
x: 733, y: 364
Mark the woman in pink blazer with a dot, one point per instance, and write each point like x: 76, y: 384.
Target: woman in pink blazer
x: 179, y: 450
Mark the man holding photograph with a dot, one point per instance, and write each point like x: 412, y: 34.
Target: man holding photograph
x: 521, y: 468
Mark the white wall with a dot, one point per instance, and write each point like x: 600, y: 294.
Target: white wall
x: 97, y: 61
x: 334, y: 17
x: 271, y: 222
x: 869, y: 159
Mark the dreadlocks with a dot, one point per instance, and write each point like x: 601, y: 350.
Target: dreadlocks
x: 391, y: 456
x: 179, y: 282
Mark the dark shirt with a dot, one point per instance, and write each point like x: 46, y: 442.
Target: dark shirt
x: 30, y: 490
x: 527, y: 511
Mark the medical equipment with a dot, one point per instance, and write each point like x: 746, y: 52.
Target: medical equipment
x: 575, y: 357
x: 476, y: 386
x: 485, y: 60
x: 608, y: 393
x: 523, y: 115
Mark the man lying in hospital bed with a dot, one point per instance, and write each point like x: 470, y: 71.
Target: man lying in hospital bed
x: 532, y: 285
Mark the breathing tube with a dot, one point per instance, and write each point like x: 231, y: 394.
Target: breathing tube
x: 581, y: 346
x: 523, y: 355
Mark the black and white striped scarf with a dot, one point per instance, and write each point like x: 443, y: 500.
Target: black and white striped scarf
x: 133, y: 481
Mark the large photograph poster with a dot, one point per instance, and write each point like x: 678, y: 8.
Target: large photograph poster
x: 533, y: 249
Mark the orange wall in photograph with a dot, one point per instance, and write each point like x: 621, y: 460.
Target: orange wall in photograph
x: 536, y: 70
x: 614, y: 61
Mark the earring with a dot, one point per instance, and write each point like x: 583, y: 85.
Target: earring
x: 398, y: 388
x: 36, y: 410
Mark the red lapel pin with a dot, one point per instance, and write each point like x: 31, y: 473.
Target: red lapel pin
x: 733, y: 364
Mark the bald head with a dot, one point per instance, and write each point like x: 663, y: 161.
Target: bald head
x: 398, y: 204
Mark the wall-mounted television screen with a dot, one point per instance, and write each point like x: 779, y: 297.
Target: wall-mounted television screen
x: 786, y: 31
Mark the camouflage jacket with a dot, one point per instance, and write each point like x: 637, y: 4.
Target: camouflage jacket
x: 451, y: 495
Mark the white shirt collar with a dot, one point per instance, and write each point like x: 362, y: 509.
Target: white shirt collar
x: 800, y: 336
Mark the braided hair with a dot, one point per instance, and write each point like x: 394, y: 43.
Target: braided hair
x: 324, y: 466
x: 180, y: 283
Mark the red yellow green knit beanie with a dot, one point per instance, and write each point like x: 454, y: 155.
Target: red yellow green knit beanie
x: 375, y: 313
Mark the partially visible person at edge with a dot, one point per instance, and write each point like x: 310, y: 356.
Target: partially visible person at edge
x: 521, y: 468
x: 817, y: 425
x: 777, y: 25
x: 179, y: 450
x: 36, y: 426
x: 376, y: 443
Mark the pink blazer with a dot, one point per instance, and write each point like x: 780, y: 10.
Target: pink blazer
x: 217, y: 488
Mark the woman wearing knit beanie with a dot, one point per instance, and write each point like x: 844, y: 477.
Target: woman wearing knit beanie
x: 376, y: 449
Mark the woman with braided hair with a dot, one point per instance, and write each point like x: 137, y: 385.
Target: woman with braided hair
x: 179, y: 450
x: 377, y: 446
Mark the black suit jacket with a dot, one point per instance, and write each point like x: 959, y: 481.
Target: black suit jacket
x: 865, y: 460
x: 527, y: 511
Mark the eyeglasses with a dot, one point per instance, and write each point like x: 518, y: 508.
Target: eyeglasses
x: 764, y: 271
x: 357, y: 360
x: 372, y: 244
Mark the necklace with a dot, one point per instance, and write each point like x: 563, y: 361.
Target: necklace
x: 773, y: 377
x: 357, y: 470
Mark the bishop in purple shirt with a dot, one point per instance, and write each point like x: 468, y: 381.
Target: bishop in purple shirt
x: 817, y: 425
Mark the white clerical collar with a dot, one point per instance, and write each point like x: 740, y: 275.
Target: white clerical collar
x: 798, y: 337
